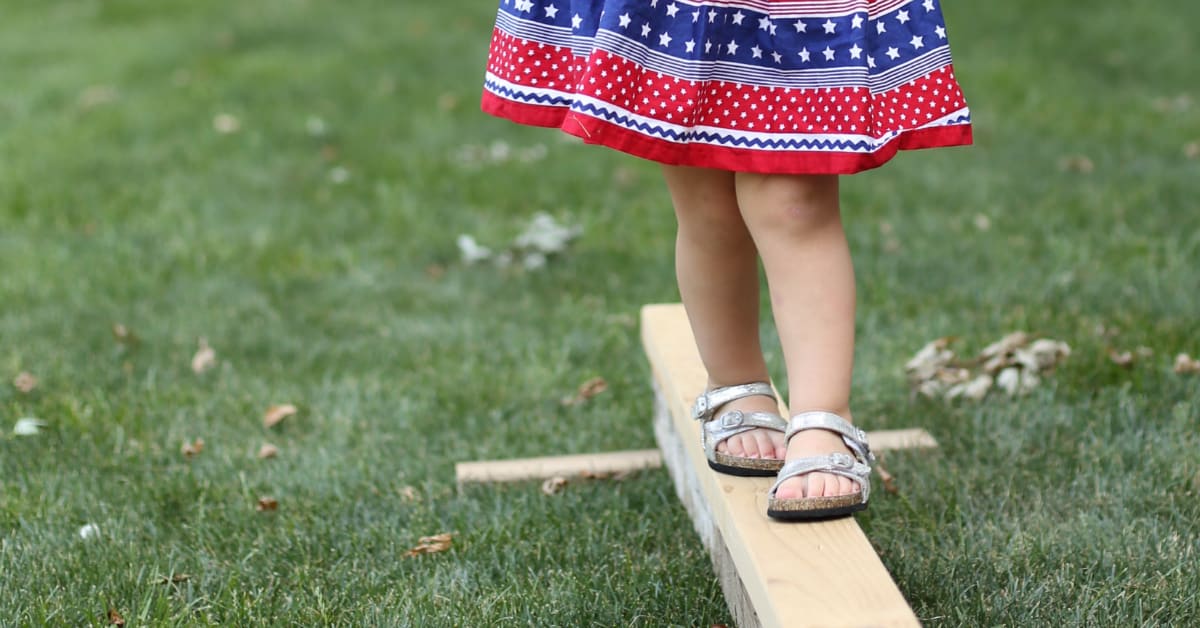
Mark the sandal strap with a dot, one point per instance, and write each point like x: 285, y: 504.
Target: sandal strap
x: 836, y: 464
x: 855, y: 438
x: 735, y: 422
x: 710, y: 400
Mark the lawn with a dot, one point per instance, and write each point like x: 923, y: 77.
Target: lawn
x: 286, y: 180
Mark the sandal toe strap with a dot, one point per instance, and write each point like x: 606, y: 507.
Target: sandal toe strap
x: 735, y: 422
x: 836, y: 464
x: 855, y: 438
x: 710, y: 400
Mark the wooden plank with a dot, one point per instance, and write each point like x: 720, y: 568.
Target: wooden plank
x: 556, y: 466
x: 774, y: 574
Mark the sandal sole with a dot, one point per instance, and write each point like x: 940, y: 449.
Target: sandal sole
x: 816, y: 509
x: 743, y: 472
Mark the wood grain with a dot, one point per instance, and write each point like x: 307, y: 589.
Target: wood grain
x: 806, y: 574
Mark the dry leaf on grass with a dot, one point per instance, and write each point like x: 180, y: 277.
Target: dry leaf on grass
x: 88, y: 531
x: 175, y: 578
x: 615, y: 476
x: 1185, y: 364
x: 277, y: 413
x: 267, y: 451
x: 205, y: 357
x: 114, y: 618
x: 1123, y: 359
x: 123, y: 335
x: 1076, y: 163
x: 266, y: 504
x: 1191, y: 150
x: 929, y: 359
x: 25, y: 382
x: 225, y: 123
x: 431, y: 545
x: 408, y: 493
x: 586, y: 391
x: 554, y: 485
x: 193, y: 448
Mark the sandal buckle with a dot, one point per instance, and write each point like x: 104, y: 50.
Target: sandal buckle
x: 841, y: 461
x: 733, y: 418
x: 700, y: 408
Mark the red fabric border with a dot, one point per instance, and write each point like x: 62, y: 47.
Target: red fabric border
x: 596, y: 131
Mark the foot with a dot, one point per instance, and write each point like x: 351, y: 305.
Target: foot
x: 756, y: 443
x: 816, y: 443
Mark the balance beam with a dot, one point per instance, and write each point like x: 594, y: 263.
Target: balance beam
x: 773, y: 574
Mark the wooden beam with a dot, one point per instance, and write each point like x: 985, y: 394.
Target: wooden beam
x: 556, y: 466
x: 773, y: 574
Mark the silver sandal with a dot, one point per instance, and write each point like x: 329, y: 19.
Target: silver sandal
x: 735, y: 422
x: 856, y: 467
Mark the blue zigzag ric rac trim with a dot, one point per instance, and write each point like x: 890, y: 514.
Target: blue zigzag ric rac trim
x: 525, y: 97
x: 718, y: 138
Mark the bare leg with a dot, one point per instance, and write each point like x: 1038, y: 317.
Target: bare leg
x: 717, y: 268
x: 796, y: 224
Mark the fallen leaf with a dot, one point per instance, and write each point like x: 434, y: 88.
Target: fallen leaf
x: 1123, y: 359
x: 982, y: 222
x: 267, y: 451
x: 124, y: 335
x: 1005, y: 345
x: 586, y: 391
x: 431, y: 545
x: 408, y: 493
x: 1049, y: 353
x: 929, y: 359
x: 1185, y: 364
x: 226, y: 123
x: 1015, y: 382
x: 975, y: 389
x: 28, y: 426
x: 175, y: 578
x: 25, y: 382
x: 97, y: 95
x: 266, y: 504
x: 193, y: 448
x: 1076, y: 163
x: 1191, y: 150
x: 89, y: 530
x: 114, y: 618
x: 277, y: 413
x: 205, y: 357
x: 554, y: 485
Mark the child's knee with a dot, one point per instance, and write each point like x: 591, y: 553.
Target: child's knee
x: 789, y: 206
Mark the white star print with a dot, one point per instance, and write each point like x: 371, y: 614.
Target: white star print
x: 654, y: 3
x: 928, y: 4
x: 801, y: 27
x: 941, y: 32
x: 738, y: 17
x: 828, y: 52
x: 772, y: 28
x: 757, y: 52
x: 893, y: 53
x: 902, y: 17
x: 524, y: 5
x: 855, y: 52
x: 764, y: 23
x: 830, y: 26
x: 552, y: 12
x: 880, y: 28
x: 690, y: 45
x: 804, y: 54
x: 870, y: 61
x: 646, y: 29
x: 625, y: 20
x: 732, y: 47
x: 576, y: 21
x: 917, y: 42
x: 778, y: 57
x: 672, y: 10
x: 664, y: 40
x: 712, y: 15
x: 707, y: 45
x: 856, y: 21
x: 695, y: 16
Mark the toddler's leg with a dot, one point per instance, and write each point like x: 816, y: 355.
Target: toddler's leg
x: 717, y: 268
x: 796, y: 224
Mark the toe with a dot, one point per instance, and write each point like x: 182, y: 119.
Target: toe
x: 816, y: 485
x: 749, y: 445
x: 766, y: 448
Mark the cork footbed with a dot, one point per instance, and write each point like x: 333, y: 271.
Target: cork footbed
x: 768, y: 466
x: 816, y: 507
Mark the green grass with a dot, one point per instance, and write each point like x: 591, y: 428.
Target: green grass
x: 1076, y: 505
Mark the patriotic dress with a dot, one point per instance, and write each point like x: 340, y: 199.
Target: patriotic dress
x: 771, y: 86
